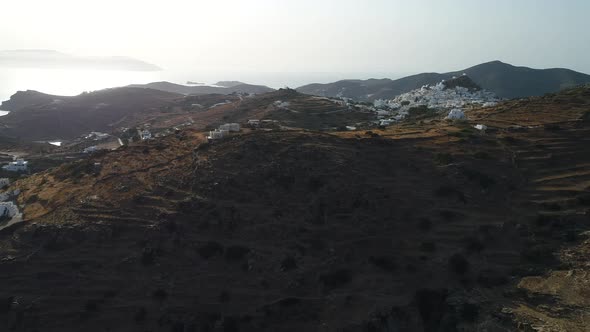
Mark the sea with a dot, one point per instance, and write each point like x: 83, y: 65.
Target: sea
x: 71, y: 82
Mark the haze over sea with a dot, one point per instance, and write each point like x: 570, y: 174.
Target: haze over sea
x: 70, y: 82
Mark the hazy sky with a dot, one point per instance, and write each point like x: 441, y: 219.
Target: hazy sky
x: 388, y: 36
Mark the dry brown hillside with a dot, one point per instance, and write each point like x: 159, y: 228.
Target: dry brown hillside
x: 425, y: 226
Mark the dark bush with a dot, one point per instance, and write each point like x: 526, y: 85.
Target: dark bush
x: 474, y: 244
x: 539, y: 253
x: 91, y: 305
x: 458, y: 264
x: 148, y: 256
x: 552, y: 127
x: 385, y: 263
x: 492, y: 278
x: 432, y: 307
x: 443, y: 158
x: 224, y: 297
x: 236, y: 253
x: 337, y: 278
x: 288, y: 263
x: 160, y: 294
x: 447, y: 190
x: 425, y: 224
x: 6, y: 304
x: 447, y: 215
x: 469, y: 311
x: 428, y: 246
x: 210, y: 249
x: 140, y: 315
x: 485, y: 181
x: 482, y: 155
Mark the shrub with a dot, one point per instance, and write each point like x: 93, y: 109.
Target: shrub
x: 491, y: 278
x: 140, y: 315
x: 540, y: 253
x: 236, y: 253
x: 485, y: 181
x: 428, y: 246
x: 288, y: 263
x: 337, y: 278
x: 160, y: 294
x: 458, y: 264
x: 224, y: 297
x: 91, y: 305
x: 447, y: 215
x: 482, y: 155
x: 385, y: 263
x: 210, y: 249
x: 148, y: 256
x: 474, y: 244
x: 443, y: 158
x: 425, y: 224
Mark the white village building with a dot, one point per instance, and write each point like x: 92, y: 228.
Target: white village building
x: 224, y: 130
x: 145, y: 134
x: 20, y: 165
x: 456, y: 114
x: 91, y: 149
x: 234, y: 127
x: 8, y: 209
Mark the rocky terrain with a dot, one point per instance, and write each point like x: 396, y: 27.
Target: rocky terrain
x: 505, y: 80
x: 36, y: 116
x: 39, y: 117
x: 427, y: 225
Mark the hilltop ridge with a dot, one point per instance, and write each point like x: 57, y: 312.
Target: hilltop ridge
x: 503, y: 79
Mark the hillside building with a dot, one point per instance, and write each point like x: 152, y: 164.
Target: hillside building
x: 8, y: 210
x: 456, y: 114
x: 20, y: 165
x: 145, y: 134
x: 233, y: 127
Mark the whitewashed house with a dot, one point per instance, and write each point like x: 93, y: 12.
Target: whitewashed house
x: 233, y: 127
x: 20, y: 165
x: 456, y: 114
x: 145, y: 134
x: 4, y: 182
x: 215, y: 134
x: 91, y: 149
x: 8, y: 209
x: 254, y: 123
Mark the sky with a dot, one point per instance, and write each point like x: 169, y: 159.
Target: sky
x: 308, y: 36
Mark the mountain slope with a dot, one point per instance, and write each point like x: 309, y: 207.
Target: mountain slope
x: 232, y: 87
x: 504, y: 80
x: 421, y: 227
x: 36, y: 116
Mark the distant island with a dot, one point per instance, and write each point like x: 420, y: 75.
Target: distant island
x: 55, y: 59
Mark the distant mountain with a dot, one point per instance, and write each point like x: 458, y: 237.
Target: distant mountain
x: 55, y: 59
x: 229, y: 84
x: 504, y: 80
x: 226, y: 89
x: 38, y: 116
